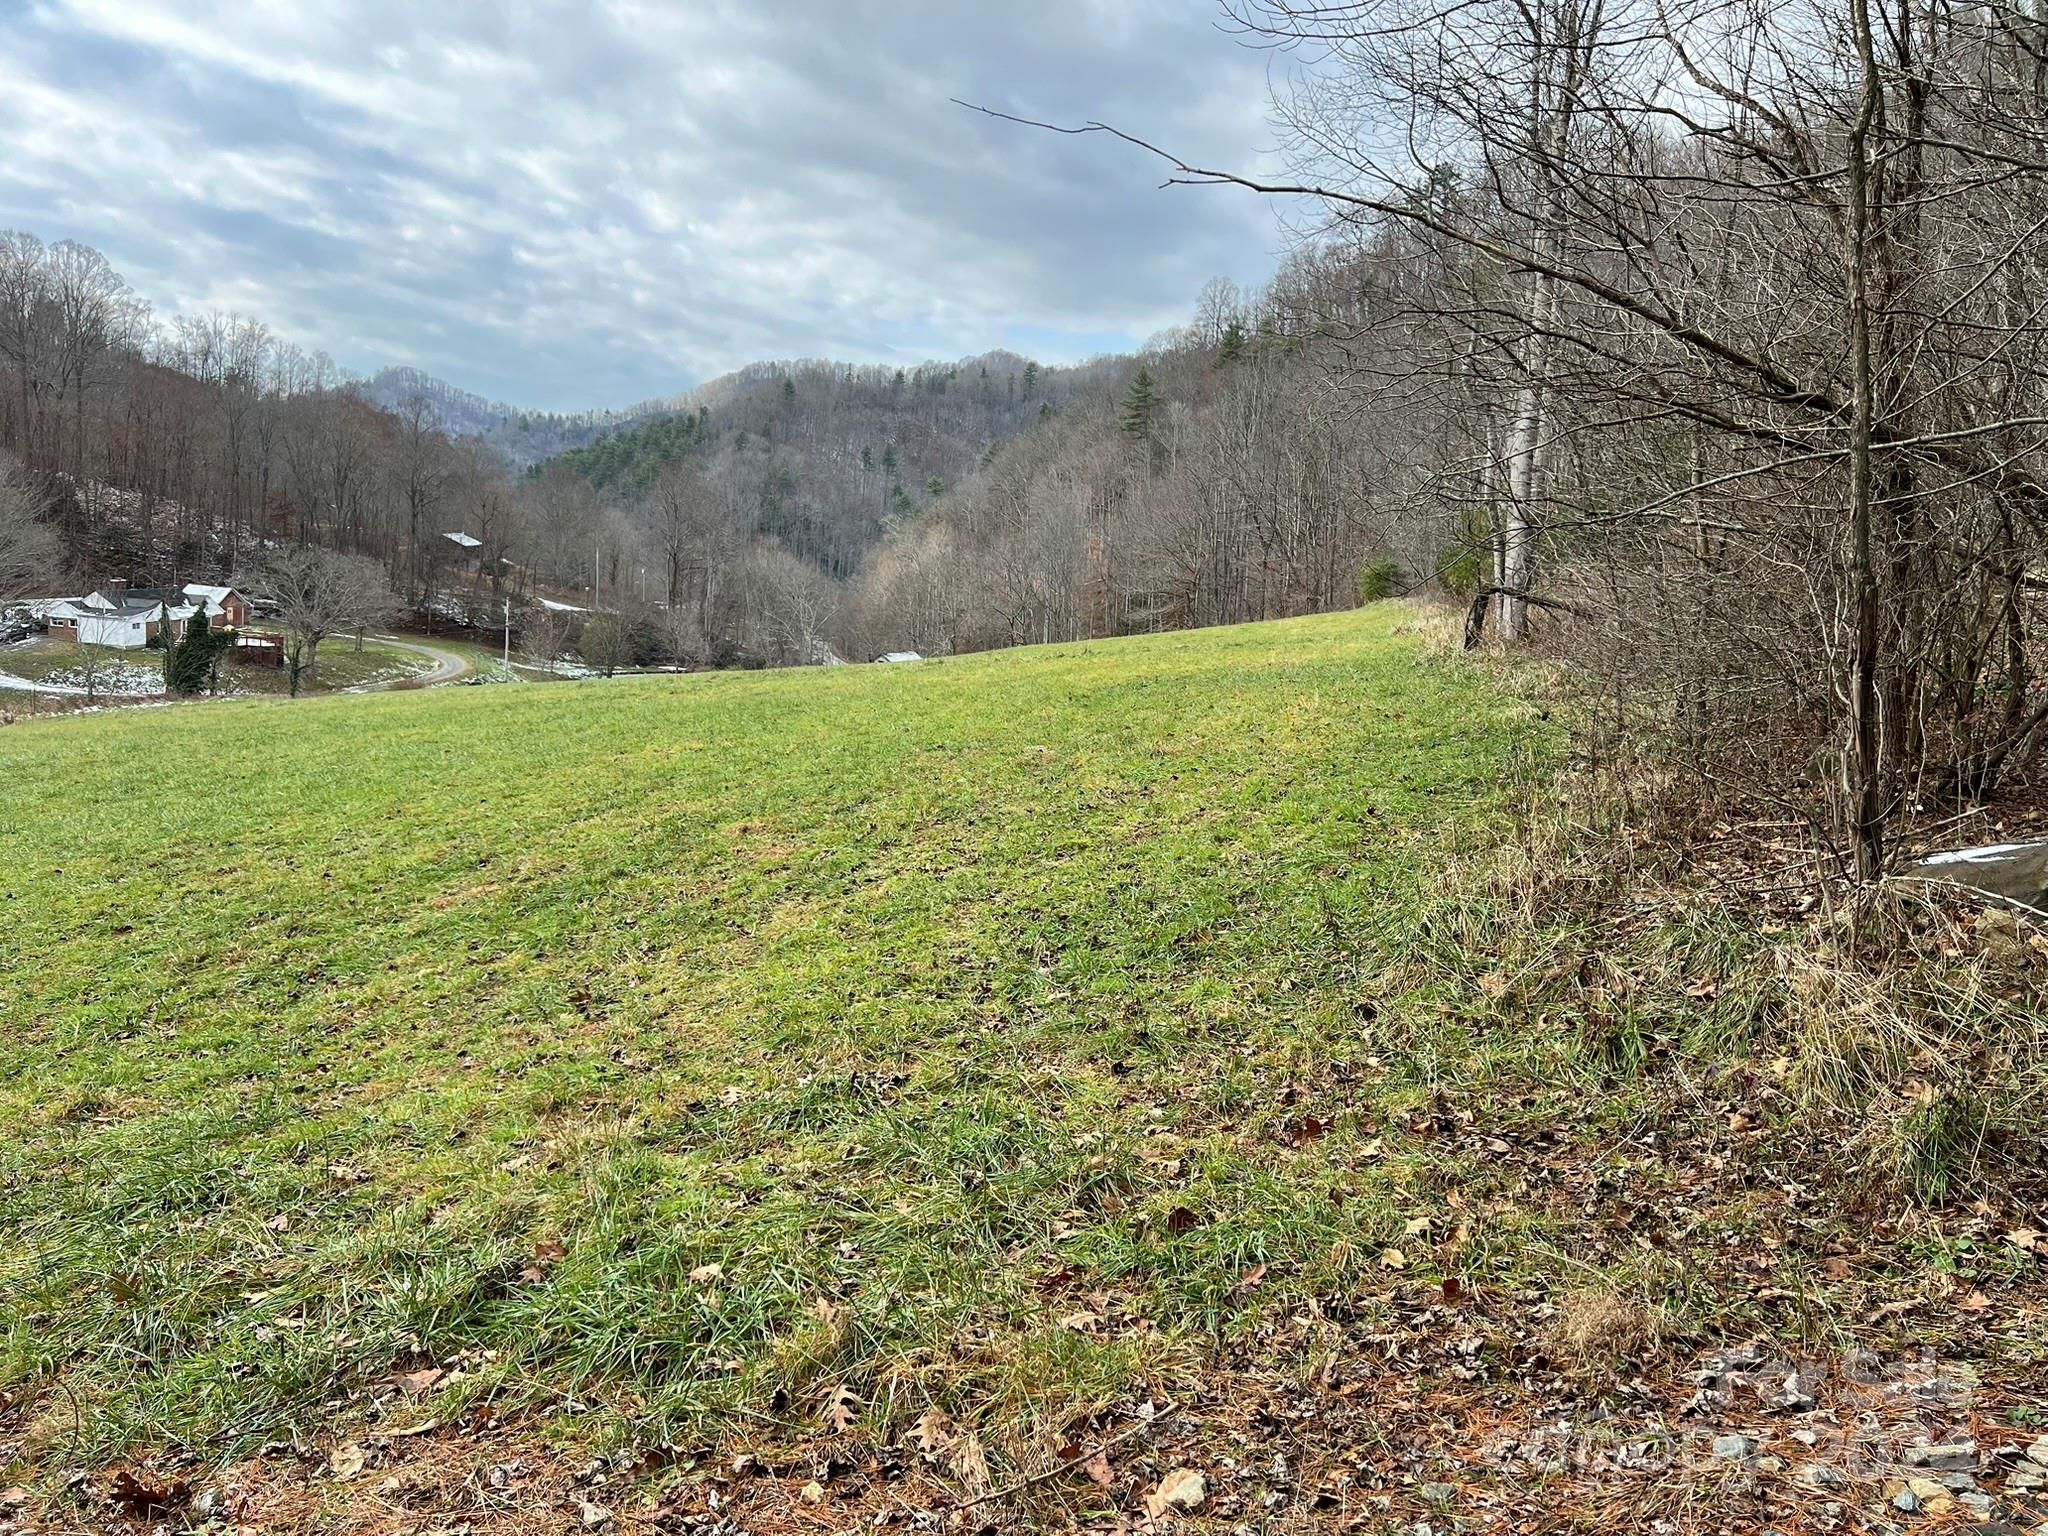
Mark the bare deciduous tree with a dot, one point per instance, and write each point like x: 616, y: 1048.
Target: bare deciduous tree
x: 317, y: 593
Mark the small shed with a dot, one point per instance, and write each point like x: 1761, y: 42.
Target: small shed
x: 259, y: 650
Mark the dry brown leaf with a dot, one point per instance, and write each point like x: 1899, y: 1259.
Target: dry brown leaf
x: 145, y: 1494
x: 1306, y: 1129
x: 1099, y: 1471
x: 842, y: 1409
x: 345, y: 1460
x: 967, y: 1463
x: 933, y: 1431
x: 1393, y: 1258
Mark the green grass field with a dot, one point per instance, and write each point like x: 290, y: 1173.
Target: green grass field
x: 689, y: 1046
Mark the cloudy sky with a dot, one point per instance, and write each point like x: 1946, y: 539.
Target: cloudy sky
x: 584, y: 204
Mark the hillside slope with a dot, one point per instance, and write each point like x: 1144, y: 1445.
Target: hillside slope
x: 862, y: 983
x: 919, y: 1077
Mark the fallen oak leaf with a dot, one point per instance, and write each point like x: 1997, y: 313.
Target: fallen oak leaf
x: 1305, y: 1129
x: 141, y: 1493
x: 546, y: 1254
x: 345, y: 1461
x: 1249, y: 1281
x: 842, y: 1409
x: 933, y: 1431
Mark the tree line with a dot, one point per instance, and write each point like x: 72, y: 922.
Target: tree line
x: 721, y: 530
x: 1702, y: 339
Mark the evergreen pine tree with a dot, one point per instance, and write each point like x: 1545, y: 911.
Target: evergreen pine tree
x: 188, y: 662
x: 1030, y: 380
x: 1141, y: 403
x: 1231, y: 347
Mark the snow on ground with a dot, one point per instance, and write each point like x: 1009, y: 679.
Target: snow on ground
x: 1990, y: 853
x: 561, y: 666
x: 116, y: 680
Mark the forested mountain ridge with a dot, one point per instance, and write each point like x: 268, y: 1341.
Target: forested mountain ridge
x: 831, y: 454
x: 778, y: 514
x: 520, y: 436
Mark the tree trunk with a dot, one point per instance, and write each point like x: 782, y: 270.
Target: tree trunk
x: 1863, y: 765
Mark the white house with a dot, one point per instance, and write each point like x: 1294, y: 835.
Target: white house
x: 126, y: 618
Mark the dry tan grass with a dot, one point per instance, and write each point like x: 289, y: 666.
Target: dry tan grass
x: 1598, y: 1333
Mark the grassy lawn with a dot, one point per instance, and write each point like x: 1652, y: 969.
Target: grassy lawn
x: 879, y: 1036
x: 119, y: 673
x: 341, y: 666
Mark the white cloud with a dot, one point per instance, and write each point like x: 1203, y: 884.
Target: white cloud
x: 584, y: 205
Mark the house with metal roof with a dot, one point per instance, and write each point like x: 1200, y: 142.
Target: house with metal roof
x: 127, y: 618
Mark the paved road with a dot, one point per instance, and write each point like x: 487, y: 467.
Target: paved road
x: 448, y: 666
x: 23, y: 685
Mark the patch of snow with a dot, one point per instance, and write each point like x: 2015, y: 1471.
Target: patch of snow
x: 1990, y: 853
x: 115, y: 681
x: 23, y: 685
